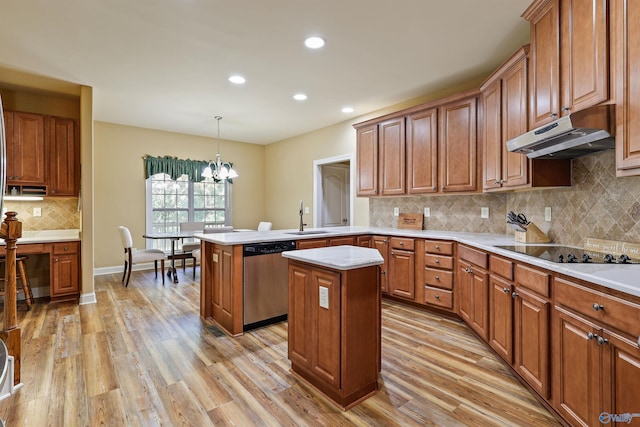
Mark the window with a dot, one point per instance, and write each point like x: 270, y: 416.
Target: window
x: 170, y: 202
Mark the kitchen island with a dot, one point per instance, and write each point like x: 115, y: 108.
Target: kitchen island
x: 334, y: 334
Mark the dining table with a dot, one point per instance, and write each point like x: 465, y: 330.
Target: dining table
x: 174, y: 237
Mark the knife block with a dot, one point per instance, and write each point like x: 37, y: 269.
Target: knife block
x: 532, y: 235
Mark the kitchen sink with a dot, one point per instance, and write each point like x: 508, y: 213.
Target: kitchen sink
x: 300, y: 233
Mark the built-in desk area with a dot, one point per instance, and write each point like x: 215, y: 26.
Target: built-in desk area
x: 335, y: 320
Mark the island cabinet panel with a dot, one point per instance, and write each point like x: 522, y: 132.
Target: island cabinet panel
x: 367, y: 161
x: 422, y: 152
x: 334, y: 330
x: 392, y: 157
x: 222, y: 296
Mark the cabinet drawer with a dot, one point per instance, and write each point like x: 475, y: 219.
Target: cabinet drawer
x: 66, y: 248
x: 402, y: 243
x: 610, y: 310
x: 474, y: 256
x: 438, y: 247
x: 439, y: 297
x: 438, y: 261
x: 438, y: 278
x: 25, y: 249
x: 501, y: 267
x: 532, y: 279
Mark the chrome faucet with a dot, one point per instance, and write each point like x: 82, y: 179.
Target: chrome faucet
x: 300, y: 213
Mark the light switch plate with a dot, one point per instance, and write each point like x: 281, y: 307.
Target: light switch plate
x: 396, y: 211
x: 37, y: 212
x: 324, y: 297
x: 306, y: 209
x: 484, y: 212
x: 547, y: 213
x: 427, y: 212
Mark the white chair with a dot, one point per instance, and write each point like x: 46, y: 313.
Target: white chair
x: 264, y: 226
x: 135, y: 256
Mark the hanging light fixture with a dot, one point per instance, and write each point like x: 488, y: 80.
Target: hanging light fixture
x: 220, y: 170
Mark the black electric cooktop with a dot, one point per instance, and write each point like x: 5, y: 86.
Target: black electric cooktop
x: 569, y: 254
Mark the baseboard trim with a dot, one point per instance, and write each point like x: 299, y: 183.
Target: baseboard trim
x: 89, y: 298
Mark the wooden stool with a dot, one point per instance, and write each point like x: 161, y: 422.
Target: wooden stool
x: 22, y: 276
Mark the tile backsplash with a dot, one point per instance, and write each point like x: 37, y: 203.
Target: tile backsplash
x: 598, y: 205
x: 58, y: 213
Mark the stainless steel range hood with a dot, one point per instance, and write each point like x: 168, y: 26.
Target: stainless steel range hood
x: 575, y: 135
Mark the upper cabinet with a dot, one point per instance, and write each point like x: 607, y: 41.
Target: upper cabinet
x: 504, y: 96
x: 431, y: 148
x: 569, y: 68
x: 626, y: 41
x: 64, y: 157
x: 25, y: 148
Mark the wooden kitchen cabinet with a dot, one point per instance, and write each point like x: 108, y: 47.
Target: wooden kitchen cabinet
x: 472, y: 289
x: 501, y: 317
x: 391, y: 160
x: 64, y: 157
x: 422, y: 152
x: 401, y: 281
x: 367, y: 160
x: 504, y: 118
x: 569, y: 57
x: 25, y: 137
x: 625, y: 32
x: 381, y: 243
x: 437, y: 275
x: 596, y: 360
x: 457, y: 146
x: 65, y: 271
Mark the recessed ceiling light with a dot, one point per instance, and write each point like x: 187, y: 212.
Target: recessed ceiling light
x: 314, y: 42
x: 347, y: 110
x: 237, y: 79
x: 299, y: 96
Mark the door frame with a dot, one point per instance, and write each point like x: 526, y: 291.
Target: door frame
x: 317, y: 184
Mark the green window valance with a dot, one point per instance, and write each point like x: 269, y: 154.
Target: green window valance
x: 175, y: 167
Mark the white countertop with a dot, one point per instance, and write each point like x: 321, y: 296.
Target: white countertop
x: 45, y: 236
x: 338, y: 257
x: 624, y: 278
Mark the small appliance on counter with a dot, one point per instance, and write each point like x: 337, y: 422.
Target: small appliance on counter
x: 526, y: 231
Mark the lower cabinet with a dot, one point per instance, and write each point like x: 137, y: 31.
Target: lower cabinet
x: 472, y: 289
x: 402, y: 268
x: 381, y: 243
x: 437, y: 275
x: 65, y: 271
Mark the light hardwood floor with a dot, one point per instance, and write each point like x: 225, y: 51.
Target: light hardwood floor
x: 141, y: 356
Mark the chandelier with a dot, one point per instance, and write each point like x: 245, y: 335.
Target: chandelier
x: 219, y: 170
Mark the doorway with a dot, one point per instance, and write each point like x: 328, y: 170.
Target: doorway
x: 333, y: 190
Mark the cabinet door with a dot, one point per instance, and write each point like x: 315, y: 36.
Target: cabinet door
x: 532, y: 336
x: 544, y: 75
x: 326, y: 326
x: 382, y: 245
x: 457, y: 146
x: 25, y: 159
x: 473, y: 291
x: 65, y: 275
x: 492, y: 136
x: 300, y: 315
x: 626, y: 33
x: 577, y: 367
x: 312, y: 243
x: 63, y: 157
x: 402, y: 274
x: 585, y: 54
x: 391, y: 143
x: 364, y: 241
x: 367, y: 160
x: 515, y: 166
x: 501, y: 318
x: 621, y: 377
x: 464, y: 289
x: 422, y: 152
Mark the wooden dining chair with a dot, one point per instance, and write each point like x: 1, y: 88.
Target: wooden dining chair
x: 137, y: 256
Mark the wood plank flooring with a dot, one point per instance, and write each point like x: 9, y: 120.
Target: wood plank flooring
x: 141, y: 356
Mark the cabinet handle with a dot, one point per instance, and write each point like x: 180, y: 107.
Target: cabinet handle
x: 553, y: 115
x: 437, y: 296
x: 497, y: 183
x: 383, y: 272
x: 392, y: 253
x: 598, y: 307
x: 505, y: 290
x: 437, y: 261
x: 438, y: 278
x: 437, y: 247
x: 565, y: 109
x: 514, y: 294
x: 468, y: 270
x: 602, y: 341
x: 401, y: 243
x: 55, y: 260
x: 66, y: 248
x: 591, y: 336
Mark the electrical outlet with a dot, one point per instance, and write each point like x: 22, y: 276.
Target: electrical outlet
x: 484, y: 212
x: 547, y: 213
x: 324, y: 297
x: 396, y: 211
x: 427, y: 212
x: 37, y: 212
x: 306, y: 209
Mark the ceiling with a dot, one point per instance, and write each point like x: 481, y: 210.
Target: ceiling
x: 164, y: 64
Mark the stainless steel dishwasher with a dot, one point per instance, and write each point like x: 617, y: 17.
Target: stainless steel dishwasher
x: 266, y: 283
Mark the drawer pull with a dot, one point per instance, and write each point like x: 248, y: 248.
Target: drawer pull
x: 66, y: 248
x: 505, y: 290
x: 591, y: 336
x: 437, y: 296
x: 437, y: 277
x: 383, y: 272
x: 401, y: 243
x: 598, y: 307
x: 437, y: 247
x: 468, y: 270
x: 514, y: 294
x: 602, y: 341
x: 55, y: 260
x: 437, y: 261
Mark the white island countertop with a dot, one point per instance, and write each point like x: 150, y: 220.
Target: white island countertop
x: 338, y: 257
x: 623, y: 278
